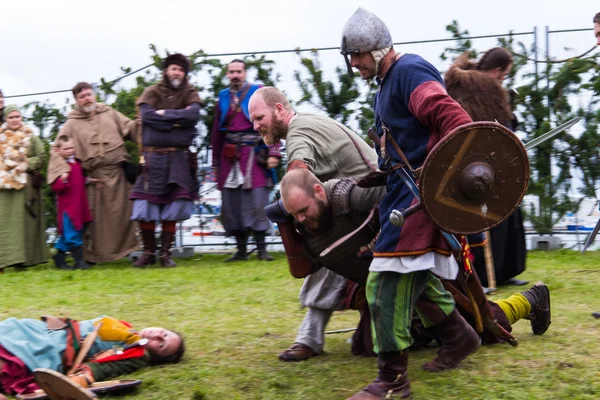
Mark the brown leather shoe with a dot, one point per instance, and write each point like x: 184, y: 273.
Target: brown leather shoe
x: 364, y: 395
x: 539, y: 298
x: 297, y: 352
x: 392, y: 381
x: 458, y: 338
x: 166, y: 261
x: 146, y: 259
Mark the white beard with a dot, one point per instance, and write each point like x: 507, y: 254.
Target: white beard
x: 175, y: 83
x: 89, y: 109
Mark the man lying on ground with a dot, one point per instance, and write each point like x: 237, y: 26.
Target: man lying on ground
x: 56, y: 343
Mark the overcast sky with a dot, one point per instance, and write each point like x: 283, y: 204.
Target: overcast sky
x: 50, y: 45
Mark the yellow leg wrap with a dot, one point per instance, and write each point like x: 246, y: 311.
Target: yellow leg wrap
x: 515, y: 307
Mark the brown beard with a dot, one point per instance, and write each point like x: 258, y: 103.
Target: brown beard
x: 323, y: 216
x: 279, y: 129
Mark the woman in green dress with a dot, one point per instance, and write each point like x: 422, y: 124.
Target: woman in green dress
x: 22, y: 230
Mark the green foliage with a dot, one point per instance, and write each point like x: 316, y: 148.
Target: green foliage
x: 324, y: 95
x: 462, y: 43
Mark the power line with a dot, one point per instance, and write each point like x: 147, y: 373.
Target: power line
x: 299, y: 50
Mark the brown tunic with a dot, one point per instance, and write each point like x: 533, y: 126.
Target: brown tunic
x: 99, y: 144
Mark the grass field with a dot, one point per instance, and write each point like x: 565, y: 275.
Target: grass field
x: 236, y: 318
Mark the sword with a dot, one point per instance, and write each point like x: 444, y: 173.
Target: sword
x: 551, y: 133
x: 340, y: 331
x: 592, y: 237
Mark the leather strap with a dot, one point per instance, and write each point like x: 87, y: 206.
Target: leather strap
x: 388, y: 137
x: 230, y: 115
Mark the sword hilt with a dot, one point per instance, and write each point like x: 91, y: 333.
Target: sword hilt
x: 397, y: 217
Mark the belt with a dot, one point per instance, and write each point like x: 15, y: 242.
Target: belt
x: 162, y: 150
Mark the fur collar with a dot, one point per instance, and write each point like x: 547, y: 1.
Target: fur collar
x: 482, y: 96
x: 14, y: 146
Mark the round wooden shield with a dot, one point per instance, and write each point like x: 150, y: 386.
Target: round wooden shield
x: 474, y: 178
x: 59, y: 387
x: 97, y: 387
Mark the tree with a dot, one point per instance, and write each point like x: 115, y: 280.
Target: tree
x: 335, y: 101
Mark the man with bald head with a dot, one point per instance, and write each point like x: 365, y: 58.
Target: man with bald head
x: 329, y: 150
x: 327, y: 212
x: 317, y: 142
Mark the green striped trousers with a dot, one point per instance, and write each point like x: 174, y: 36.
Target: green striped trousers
x: 392, y: 298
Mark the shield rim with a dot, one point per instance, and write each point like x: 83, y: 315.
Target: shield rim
x: 40, y: 373
x: 436, y: 149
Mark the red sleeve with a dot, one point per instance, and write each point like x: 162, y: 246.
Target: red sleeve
x: 59, y: 186
x: 435, y: 109
x: 216, y: 138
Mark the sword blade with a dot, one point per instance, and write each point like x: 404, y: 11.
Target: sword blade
x: 592, y: 237
x: 550, y: 134
x: 340, y: 331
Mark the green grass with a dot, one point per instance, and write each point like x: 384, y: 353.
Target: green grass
x: 237, y: 317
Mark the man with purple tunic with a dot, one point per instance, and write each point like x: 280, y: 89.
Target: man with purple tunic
x: 244, y: 165
x: 167, y: 188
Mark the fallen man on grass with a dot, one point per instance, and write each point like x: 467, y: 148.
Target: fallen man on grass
x: 85, y: 351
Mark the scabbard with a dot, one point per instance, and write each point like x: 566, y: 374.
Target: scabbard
x: 300, y: 265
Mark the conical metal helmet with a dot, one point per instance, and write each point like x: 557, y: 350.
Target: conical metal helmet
x: 364, y: 32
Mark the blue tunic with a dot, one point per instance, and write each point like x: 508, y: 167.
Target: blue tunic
x: 413, y: 104
x: 35, y: 345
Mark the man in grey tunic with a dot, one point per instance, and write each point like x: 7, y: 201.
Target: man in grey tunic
x: 329, y: 150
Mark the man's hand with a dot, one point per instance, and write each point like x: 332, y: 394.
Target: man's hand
x: 65, y: 177
x: 272, y: 162
x: 98, y: 182
x: 85, y: 379
x: 160, y: 112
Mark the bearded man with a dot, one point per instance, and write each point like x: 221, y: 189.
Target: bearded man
x: 99, y: 132
x: 166, y: 189
x: 329, y: 150
x: 244, y: 165
x: 412, y: 111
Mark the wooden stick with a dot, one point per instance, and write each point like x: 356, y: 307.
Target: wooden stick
x: 489, y: 261
x: 85, y: 347
x: 105, y: 383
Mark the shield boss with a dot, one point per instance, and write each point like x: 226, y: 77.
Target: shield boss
x: 474, y: 178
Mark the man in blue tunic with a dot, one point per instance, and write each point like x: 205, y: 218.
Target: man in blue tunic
x: 412, y: 109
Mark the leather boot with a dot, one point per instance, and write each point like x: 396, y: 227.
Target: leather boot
x: 60, y: 260
x: 539, y: 298
x: 165, y: 253
x: 148, y: 258
x: 77, y: 253
x: 392, y: 381
x: 261, y: 245
x: 458, y: 338
x: 241, y: 239
x: 297, y: 352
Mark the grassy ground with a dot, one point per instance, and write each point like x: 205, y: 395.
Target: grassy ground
x: 237, y: 317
